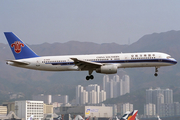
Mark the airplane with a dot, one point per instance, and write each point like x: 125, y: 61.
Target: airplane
x: 78, y: 117
x: 117, y: 118
x: 59, y: 117
x: 101, y: 63
x: 158, y: 118
x: 129, y: 116
x: 31, y: 117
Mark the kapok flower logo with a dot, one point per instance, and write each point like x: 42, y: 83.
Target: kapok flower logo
x: 17, y: 46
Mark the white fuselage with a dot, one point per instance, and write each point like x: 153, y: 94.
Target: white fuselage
x: 121, y: 60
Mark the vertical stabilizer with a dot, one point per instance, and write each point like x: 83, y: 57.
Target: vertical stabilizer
x: 31, y: 117
x: 18, y: 47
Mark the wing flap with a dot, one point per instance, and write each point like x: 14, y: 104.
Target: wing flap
x: 83, y: 65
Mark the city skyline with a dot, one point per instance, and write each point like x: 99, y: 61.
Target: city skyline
x: 160, y: 102
x: 112, y: 88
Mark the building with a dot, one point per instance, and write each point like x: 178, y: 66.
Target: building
x: 150, y: 110
x: 102, y: 96
x: 48, y: 111
x: 45, y: 98
x: 24, y: 109
x: 126, y: 84
x: 60, y: 99
x: 126, y: 107
x: 84, y: 97
x: 48, y: 99
x: 86, y: 111
x: 116, y: 86
x: 3, y: 110
x: 10, y: 116
x: 10, y: 106
x: 163, y: 99
x: 79, y: 90
x: 92, y: 94
x: 166, y: 110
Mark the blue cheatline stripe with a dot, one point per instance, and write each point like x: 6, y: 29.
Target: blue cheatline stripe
x: 120, y: 61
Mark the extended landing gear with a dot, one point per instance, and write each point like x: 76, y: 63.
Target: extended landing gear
x: 90, y: 76
x: 156, y: 70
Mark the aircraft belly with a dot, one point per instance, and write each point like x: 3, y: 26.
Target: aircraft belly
x: 144, y: 64
x: 59, y: 68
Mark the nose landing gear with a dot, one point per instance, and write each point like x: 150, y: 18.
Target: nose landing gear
x: 156, y: 70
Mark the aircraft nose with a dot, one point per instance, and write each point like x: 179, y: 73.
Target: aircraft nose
x: 174, y: 61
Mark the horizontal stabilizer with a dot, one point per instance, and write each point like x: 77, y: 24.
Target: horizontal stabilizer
x: 17, y: 62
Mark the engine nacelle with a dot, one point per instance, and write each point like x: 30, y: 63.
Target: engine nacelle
x: 107, y: 69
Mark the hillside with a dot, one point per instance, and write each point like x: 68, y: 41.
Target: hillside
x: 13, y: 79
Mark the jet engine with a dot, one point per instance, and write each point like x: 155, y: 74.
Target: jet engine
x: 107, y: 69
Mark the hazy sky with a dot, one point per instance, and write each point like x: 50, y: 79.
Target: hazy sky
x: 99, y: 21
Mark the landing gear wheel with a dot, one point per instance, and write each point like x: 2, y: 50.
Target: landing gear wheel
x: 91, y: 77
x: 156, y: 74
x: 156, y: 70
x: 87, y: 77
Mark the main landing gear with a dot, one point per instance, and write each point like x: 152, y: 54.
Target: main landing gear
x: 156, y: 70
x: 90, y: 76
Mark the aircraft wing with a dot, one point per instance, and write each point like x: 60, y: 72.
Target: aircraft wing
x: 17, y: 62
x: 86, y: 65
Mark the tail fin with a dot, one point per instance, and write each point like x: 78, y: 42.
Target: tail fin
x: 158, y: 118
x: 88, y: 118
x: 132, y: 115
x: 31, y: 117
x: 18, y: 47
x: 117, y: 118
x: 129, y: 116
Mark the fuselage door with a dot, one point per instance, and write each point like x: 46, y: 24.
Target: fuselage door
x: 37, y: 63
x: 160, y: 59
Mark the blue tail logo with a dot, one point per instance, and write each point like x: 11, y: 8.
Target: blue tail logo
x: 17, y: 46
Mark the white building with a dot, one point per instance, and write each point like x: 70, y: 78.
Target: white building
x: 116, y: 86
x: 106, y: 85
x: 96, y: 90
x: 24, y: 109
x: 102, y: 96
x: 41, y: 97
x: 126, y: 107
x: 126, y: 84
x: 86, y: 111
x: 92, y: 97
x: 116, y: 91
x: 84, y: 97
x: 168, y: 96
x: 3, y: 110
x: 79, y: 90
x: 48, y: 99
x: 150, y: 110
x: 60, y: 99
x: 162, y: 98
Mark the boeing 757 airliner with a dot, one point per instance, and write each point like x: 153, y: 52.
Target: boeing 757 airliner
x: 101, y: 63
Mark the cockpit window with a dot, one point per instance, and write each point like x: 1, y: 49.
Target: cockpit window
x: 168, y: 57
